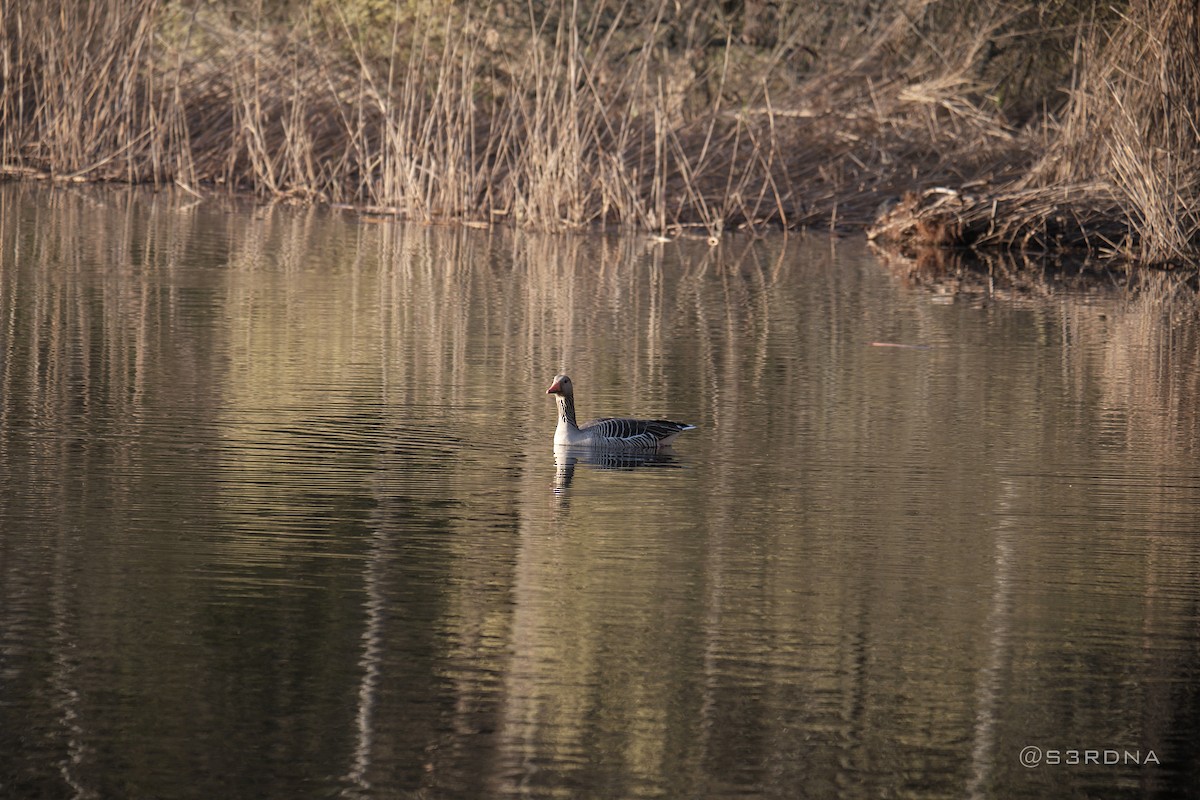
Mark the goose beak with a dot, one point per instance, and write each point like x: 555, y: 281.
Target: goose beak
x: 555, y: 388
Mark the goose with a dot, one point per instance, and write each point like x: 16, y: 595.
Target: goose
x: 611, y: 432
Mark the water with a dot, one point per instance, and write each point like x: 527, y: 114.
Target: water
x: 280, y: 517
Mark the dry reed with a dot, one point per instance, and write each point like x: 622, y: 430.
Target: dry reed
x: 1119, y: 175
x: 681, y: 116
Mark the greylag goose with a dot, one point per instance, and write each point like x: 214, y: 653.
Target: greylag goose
x: 612, y: 432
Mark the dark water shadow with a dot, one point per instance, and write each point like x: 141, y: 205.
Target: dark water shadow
x: 972, y: 276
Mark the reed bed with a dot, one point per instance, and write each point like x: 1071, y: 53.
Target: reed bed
x: 1118, y: 175
x: 675, y: 117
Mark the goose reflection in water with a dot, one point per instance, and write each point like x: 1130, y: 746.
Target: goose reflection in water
x: 566, y: 458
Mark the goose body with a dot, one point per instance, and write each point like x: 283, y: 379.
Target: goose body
x: 611, y: 432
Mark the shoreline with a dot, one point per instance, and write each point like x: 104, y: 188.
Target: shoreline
x: 978, y: 129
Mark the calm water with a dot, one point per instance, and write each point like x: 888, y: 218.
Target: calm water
x: 280, y: 517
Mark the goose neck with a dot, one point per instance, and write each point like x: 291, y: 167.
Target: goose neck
x: 566, y: 410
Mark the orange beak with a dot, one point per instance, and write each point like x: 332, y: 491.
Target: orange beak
x: 555, y: 388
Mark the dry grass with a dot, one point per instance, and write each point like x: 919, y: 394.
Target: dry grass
x: 675, y: 117
x: 77, y: 100
x: 1119, y: 175
x: 1132, y: 128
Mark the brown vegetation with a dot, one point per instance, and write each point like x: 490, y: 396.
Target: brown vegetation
x: 1119, y: 175
x: 681, y: 115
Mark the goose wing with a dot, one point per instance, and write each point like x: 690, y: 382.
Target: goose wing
x: 635, y: 432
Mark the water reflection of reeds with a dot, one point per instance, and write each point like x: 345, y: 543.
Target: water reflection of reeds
x: 371, y: 396
x: 1130, y: 364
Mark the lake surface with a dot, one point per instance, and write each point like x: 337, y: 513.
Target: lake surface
x: 280, y: 517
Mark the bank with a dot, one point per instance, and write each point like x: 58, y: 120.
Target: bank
x: 1034, y: 127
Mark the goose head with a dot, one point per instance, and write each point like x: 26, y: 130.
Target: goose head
x: 561, y: 386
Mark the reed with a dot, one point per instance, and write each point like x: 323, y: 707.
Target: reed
x: 675, y: 117
x: 76, y: 100
x: 1132, y: 127
x: 1118, y: 171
